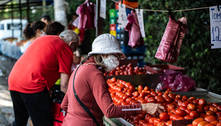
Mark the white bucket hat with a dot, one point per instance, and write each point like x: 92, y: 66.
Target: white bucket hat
x: 106, y: 44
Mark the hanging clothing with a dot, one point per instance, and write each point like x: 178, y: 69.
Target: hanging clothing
x: 171, y: 41
x: 133, y: 27
x: 86, y: 12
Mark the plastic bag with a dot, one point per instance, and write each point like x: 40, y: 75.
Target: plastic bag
x: 171, y: 41
x: 176, y: 81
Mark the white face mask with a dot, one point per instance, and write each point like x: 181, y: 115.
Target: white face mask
x: 110, y: 62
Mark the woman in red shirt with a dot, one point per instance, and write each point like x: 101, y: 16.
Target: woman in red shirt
x: 91, y: 88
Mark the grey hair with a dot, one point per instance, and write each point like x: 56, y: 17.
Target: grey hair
x: 68, y: 36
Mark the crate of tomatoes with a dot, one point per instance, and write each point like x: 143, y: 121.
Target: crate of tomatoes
x: 180, y: 110
x: 135, y: 75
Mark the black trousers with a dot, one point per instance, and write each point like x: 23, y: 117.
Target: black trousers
x: 37, y: 106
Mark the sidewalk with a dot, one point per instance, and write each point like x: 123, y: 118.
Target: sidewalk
x: 6, y: 108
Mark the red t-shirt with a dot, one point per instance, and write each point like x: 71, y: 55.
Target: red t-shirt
x: 40, y: 66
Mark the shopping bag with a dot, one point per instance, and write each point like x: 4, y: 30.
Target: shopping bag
x: 58, y: 114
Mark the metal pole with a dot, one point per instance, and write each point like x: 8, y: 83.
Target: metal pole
x: 44, y: 6
x: 97, y: 16
x: 27, y: 11
x: 12, y: 18
x: 20, y: 16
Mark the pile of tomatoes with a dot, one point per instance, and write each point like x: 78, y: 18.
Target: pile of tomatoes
x: 177, y: 107
x: 126, y: 70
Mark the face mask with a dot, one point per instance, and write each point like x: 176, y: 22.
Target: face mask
x: 110, y: 62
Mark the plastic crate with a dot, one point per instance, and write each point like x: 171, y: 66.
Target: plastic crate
x: 133, y: 51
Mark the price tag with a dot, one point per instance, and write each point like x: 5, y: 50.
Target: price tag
x: 103, y: 9
x: 139, y: 13
x: 215, y: 27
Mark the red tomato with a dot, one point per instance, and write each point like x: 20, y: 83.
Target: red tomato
x: 169, y: 123
x: 196, y: 121
x: 139, y: 88
x: 202, y: 123
x: 189, y: 125
x: 135, y: 94
x: 214, y: 122
x: 194, y: 114
x: 159, y: 99
x: 209, y: 113
x: 210, y: 118
x: 218, y: 114
x: 188, y: 117
x: 164, y: 116
x: 170, y: 106
x: 209, y: 124
x: 180, y: 112
x: 201, y: 102
x: 191, y: 106
x: 218, y: 124
x: 184, y: 98
x: 213, y: 109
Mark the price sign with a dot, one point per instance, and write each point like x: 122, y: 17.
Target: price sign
x: 215, y: 26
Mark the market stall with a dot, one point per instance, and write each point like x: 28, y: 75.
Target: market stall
x: 196, y: 107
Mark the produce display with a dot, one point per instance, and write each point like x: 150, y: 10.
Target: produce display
x: 126, y: 70
x: 177, y: 107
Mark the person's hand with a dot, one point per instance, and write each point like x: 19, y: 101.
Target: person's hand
x: 152, y: 108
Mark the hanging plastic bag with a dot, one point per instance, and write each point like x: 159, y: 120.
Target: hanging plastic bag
x: 135, y: 38
x: 176, y: 81
x: 171, y: 41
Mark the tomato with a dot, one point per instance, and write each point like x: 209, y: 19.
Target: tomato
x: 206, y: 108
x: 201, y: 102
x: 151, y: 120
x: 172, y: 96
x: 151, y: 100
x: 145, y: 88
x: 169, y: 123
x: 209, y: 113
x: 213, y: 109
x: 184, y: 98
x: 139, y: 88
x: 218, y: 124
x: 194, y: 114
x: 189, y: 125
x: 210, y: 118
x: 209, y: 124
x: 180, y: 112
x: 188, y: 117
x: 214, y: 122
x: 199, y: 108
x: 202, y: 123
x: 170, y: 106
x: 191, y: 106
x: 164, y: 116
x: 218, y: 114
x: 135, y: 94
x: 196, y: 121
x: 156, y: 121
x: 159, y: 99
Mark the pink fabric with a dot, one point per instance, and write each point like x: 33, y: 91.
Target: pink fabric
x: 132, y: 26
x: 171, y: 41
x: 93, y: 92
x: 86, y: 12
